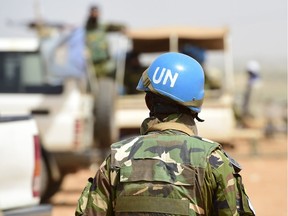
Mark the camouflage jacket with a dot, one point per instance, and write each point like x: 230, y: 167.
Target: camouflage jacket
x: 168, y: 170
x: 97, y: 44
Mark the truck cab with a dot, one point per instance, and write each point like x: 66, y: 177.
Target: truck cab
x: 61, y: 105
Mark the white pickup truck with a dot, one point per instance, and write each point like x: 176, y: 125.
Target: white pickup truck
x: 20, y: 167
x: 35, y: 79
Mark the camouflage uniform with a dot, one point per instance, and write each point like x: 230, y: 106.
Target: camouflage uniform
x: 98, y: 47
x: 166, y: 171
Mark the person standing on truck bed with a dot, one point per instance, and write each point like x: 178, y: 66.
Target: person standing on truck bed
x: 168, y: 169
x: 98, y: 44
x: 133, y: 71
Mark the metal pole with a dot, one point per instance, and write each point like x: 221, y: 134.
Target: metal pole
x: 229, y: 70
x: 173, y: 43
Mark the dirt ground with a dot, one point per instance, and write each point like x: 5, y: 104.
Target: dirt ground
x: 264, y: 174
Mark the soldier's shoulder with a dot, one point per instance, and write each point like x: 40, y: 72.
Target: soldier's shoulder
x: 237, y: 167
x: 221, y: 155
x: 205, y: 140
x: 126, y: 141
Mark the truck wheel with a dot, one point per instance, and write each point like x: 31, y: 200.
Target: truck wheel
x: 44, y: 179
x: 105, y: 130
x: 49, y: 185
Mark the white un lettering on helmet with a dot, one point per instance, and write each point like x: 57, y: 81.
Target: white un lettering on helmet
x: 164, y: 76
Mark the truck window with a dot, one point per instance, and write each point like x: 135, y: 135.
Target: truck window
x: 23, y: 72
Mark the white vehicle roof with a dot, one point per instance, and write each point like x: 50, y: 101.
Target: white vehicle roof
x: 171, y: 38
x: 19, y: 44
x: 168, y: 38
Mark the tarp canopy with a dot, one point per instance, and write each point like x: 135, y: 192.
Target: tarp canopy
x: 168, y: 38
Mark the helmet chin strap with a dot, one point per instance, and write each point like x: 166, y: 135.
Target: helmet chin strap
x: 198, y: 119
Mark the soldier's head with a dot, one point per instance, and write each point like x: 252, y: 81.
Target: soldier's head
x: 93, y: 18
x: 94, y: 11
x: 173, y: 82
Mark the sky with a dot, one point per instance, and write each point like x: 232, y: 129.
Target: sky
x: 258, y: 28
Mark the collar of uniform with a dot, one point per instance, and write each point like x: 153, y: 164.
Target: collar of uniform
x: 180, y: 122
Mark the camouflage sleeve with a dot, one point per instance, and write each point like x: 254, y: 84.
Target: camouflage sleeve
x: 114, y: 27
x: 96, y: 198
x: 229, y: 197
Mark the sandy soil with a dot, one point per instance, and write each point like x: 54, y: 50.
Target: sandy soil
x: 264, y: 174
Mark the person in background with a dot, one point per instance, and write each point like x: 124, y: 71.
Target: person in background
x: 133, y: 71
x: 98, y: 44
x: 253, y: 75
x: 243, y: 113
x: 168, y: 169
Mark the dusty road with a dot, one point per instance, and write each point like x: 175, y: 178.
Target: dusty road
x: 265, y: 179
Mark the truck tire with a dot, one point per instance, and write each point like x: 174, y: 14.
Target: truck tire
x: 44, y: 180
x: 105, y: 130
x: 49, y: 183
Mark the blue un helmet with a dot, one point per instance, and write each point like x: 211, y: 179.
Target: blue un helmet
x: 176, y: 76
